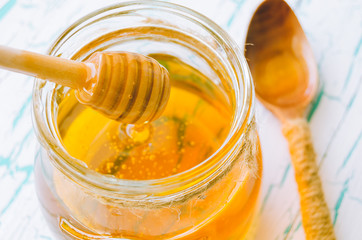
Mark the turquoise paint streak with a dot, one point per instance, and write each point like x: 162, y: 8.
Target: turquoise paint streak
x: 288, y: 228
x: 290, y: 235
x: 340, y: 200
x: 354, y: 146
x: 239, y: 4
x: 315, y: 103
x: 5, y: 161
x: 21, y: 111
x: 28, y: 170
x: 300, y: 2
x: 45, y: 237
x: 349, y: 74
x: 350, y: 153
x: 353, y: 98
x: 340, y: 123
x: 6, y: 8
x: 298, y: 226
x: 8, y: 161
x: 272, y: 186
x: 359, y: 201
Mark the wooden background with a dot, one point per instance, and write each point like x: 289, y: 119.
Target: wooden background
x: 334, y: 29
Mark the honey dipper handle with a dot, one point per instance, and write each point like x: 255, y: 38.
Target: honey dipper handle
x: 314, y: 210
x: 62, y: 71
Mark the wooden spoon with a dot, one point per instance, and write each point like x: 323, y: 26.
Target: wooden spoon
x: 127, y: 87
x: 285, y: 76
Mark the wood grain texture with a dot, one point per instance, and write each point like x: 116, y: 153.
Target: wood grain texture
x: 334, y: 31
x: 127, y: 87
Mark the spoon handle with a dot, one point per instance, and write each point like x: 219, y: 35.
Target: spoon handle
x: 314, y: 210
x: 62, y: 71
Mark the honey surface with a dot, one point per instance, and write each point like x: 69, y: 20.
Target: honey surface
x: 191, y: 129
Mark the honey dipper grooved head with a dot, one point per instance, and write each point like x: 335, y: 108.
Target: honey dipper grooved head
x: 127, y: 87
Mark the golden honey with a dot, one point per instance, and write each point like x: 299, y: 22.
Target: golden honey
x: 190, y: 130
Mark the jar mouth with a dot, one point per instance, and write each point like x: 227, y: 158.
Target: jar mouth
x: 208, y: 168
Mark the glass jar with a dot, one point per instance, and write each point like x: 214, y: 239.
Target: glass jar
x: 215, y: 199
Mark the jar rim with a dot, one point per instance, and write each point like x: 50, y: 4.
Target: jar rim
x: 207, y: 168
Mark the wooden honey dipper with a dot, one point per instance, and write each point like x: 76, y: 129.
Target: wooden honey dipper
x: 127, y: 87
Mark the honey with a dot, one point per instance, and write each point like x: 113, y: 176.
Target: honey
x: 191, y: 128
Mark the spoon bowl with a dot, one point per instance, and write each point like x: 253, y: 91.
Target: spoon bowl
x: 281, y: 60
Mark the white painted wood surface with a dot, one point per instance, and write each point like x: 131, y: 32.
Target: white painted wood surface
x: 334, y: 29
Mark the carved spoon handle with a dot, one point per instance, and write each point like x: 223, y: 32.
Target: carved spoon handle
x: 315, y: 213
